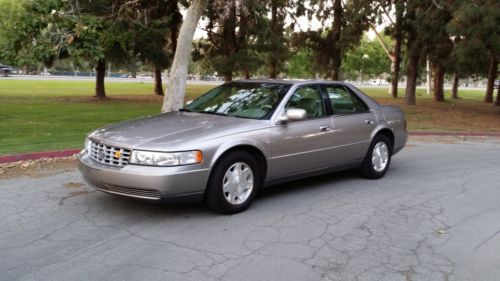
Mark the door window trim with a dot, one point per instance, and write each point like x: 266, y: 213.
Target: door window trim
x: 332, y: 113
x: 327, y: 112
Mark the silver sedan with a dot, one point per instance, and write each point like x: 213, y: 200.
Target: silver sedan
x: 243, y: 136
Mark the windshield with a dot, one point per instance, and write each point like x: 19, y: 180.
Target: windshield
x: 244, y: 100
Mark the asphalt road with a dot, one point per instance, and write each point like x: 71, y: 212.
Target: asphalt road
x: 435, y: 216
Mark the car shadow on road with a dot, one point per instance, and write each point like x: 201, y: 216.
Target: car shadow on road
x: 302, y: 188
x: 311, y: 184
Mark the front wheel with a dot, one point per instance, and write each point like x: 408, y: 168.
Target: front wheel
x: 378, y: 158
x: 233, y: 183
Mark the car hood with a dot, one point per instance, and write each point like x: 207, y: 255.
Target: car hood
x: 173, y: 130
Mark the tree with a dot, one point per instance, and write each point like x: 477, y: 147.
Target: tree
x: 155, y: 25
x: 236, y: 34
x: 395, y: 30
x: 97, y: 31
x: 174, y: 99
x: 476, y: 24
x: 368, y: 60
x: 277, y: 51
x: 299, y: 64
x: 101, y: 31
x: 32, y: 39
x: 413, y: 20
x: 12, y: 12
x: 437, y: 45
x: 349, y: 21
x: 497, y: 103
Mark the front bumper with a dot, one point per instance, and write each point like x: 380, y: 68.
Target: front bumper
x: 163, y: 184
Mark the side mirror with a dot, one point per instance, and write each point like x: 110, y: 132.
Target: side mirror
x: 292, y: 114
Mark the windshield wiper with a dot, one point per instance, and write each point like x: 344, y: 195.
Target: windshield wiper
x: 213, y: 113
x: 185, y: 110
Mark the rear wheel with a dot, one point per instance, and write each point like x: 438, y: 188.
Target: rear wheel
x: 378, y: 158
x: 233, y: 183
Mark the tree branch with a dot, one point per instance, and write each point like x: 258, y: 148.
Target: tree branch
x: 380, y: 39
x: 387, y: 14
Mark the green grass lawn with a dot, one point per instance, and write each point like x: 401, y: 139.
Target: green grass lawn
x: 37, y: 115
x: 50, y: 115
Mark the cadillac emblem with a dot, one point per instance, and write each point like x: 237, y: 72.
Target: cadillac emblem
x: 117, y: 154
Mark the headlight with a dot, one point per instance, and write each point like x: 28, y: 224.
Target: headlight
x: 165, y: 158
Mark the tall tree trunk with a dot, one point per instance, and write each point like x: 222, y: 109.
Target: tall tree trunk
x: 100, y: 70
x: 273, y: 69
x: 228, y: 77
x: 338, y: 18
x: 242, y: 38
x: 158, y: 87
x: 454, y: 86
x: 246, y: 73
x: 335, y: 76
x: 396, y: 53
x: 497, y: 103
x: 428, y: 75
x: 492, y: 74
x: 174, y: 99
x: 438, y: 82
x: 175, y: 23
x: 395, y: 61
x: 411, y: 83
x: 273, y: 64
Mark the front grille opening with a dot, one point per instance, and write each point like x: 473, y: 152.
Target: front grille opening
x: 109, y: 155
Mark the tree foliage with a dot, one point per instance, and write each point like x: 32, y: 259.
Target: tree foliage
x: 259, y: 37
x: 348, y: 20
x: 235, y: 37
x: 476, y: 25
x: 366, y: 61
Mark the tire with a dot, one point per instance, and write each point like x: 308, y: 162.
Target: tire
x: 378, y: 158
x: 233, y: 183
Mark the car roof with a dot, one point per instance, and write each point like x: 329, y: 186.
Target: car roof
x: 288, y: 81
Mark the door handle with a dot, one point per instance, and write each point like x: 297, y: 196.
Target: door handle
x: 369, y: 122
x: 324, y: 128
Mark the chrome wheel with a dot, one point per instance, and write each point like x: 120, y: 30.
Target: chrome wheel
x: 238, y: 183
x: 380, y: 156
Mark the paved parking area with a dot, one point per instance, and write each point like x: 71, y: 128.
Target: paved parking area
x: 435, y: 216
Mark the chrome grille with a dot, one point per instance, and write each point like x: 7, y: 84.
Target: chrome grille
x: 106, y: 154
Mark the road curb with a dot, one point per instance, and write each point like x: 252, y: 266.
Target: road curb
x: 38, y: 155
x: 454, y: 134
x: 70, y: 152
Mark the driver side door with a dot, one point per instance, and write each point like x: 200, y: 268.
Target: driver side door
x: 303, y: 146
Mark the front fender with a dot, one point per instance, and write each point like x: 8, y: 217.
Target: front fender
x: 233, y: 143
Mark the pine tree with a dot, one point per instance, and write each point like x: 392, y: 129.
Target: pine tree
x: 476, y: 24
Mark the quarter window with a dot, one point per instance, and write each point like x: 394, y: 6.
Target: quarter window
x: 343, y: 102
x: 309, y: 99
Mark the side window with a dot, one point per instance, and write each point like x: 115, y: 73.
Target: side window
x: 343, y: 101
x: 309, y: 99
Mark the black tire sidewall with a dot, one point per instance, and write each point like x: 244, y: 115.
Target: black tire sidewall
x: 367, y: 169
x: 214, y: 196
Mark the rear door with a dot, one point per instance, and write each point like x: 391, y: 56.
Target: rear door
x: 352, y: 121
